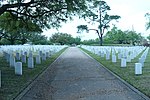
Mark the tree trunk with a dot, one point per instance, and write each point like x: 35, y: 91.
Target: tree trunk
x: 100, y: 22
x: 100, y: 39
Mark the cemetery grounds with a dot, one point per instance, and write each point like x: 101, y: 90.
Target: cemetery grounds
x: 140, y: 82
x: 13, y: 84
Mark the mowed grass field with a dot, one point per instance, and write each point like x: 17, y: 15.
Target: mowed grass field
x: 141, y: 82
x: 13, y: 84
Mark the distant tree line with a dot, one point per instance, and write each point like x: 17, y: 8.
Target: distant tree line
x: 117, y: 36
x: 64, y: 38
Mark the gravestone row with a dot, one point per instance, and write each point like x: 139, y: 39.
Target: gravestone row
x: 18, y: 54
x: 125, y: 54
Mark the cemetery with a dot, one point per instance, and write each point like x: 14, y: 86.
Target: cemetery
x: 20, y: 65
x: 74, y: 50
x: 129, y: 63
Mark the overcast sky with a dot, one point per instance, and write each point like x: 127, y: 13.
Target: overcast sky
x: 132, y: 14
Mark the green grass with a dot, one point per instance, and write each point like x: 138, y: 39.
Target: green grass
x: 111, y: 44
x: 13, y: 84
x: 117, y: 45
x: 141, y: 82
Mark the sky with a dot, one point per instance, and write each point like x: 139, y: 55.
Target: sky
x: 132, y: 14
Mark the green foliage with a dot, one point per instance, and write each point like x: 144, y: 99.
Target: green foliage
x: 4, y: 42
x: 147, y: 15
x: 46, y: 13
x: 20, y: 18
x: 99, y: 15
x: 64, y: 38
x: 91, y: 42
x: 15, y: 30
x: 148, y: 37
x: 37, y: 38
x: 77, y: 40
x: 117, y: 36
x: 82, y: 28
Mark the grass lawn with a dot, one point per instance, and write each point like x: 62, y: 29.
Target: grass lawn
x: 12, y: 84
x: 141, y: 82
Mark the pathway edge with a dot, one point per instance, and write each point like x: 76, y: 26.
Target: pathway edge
x: 19, y: 96
x: 124, y: 82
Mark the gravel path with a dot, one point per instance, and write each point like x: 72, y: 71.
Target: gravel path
x: 75, y: 76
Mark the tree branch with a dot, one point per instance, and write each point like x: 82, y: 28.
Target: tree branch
x: 6, y: 6
x: 94, y: 30
x: 35, y: 16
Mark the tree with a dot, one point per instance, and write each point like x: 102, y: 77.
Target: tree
x: 132, y: 37
x: 37, y: 38
x: 147, y: 15
x: 99, y: 15
x: 8, y: 27
x: 29, y: 30
x: 62, y: 38
x: 126, y: 37
x: 77, y: 40
x: 148, y: 37
x: 90, y: 42
x: 43, y: 13
x: 115, y: 36
x: 14, y: 29
x: 46, y: 13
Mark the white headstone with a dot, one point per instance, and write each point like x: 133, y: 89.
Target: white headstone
x: 18, y: 68
x: 119, y: 55
x: 12, y: 61
x: 17, y: 56
x: 114, y: 58
x: 102, y: 54
x: 107, y: 56
x: 7, y: 57
x: 38, y: 59
x: 23, y: 58
x: 40, y: 53
x: 47, y: 54
x: 138, y: 68
x: 25, y: 53
x: 30, y: 55
x: 123, y: 62
x: 43, y: 56
x: 30, y: 62
x: 128, y: 58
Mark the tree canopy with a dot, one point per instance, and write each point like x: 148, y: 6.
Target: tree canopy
x: 13, y: 29
x: 46, y: 13
x: 64, y: 38
x: 99, y: 15
x: 21, y: 19
x: 147, y: 15
x: 118, y: 36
